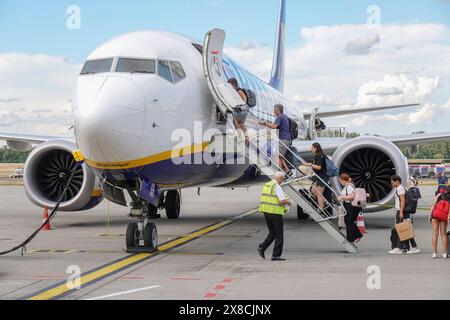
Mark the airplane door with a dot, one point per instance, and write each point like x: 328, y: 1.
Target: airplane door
x: 223, y: 93
x: 312, y: 125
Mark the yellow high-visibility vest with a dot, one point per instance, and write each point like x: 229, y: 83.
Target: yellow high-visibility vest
x: 269, y: 202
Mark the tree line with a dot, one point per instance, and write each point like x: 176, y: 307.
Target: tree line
x: 10, y: 156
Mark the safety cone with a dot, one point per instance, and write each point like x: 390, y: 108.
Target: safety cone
x: 47, y: 226
x: 361, y: 223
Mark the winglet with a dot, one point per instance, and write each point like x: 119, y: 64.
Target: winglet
x: 279, y: 61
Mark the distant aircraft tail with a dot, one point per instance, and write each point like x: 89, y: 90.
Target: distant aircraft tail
x: 279, y: 60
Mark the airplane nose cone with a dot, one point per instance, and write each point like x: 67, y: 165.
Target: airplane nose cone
x: 109, y: 116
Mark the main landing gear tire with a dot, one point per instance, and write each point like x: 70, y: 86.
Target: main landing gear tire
x: 132, y: 236
x: 301, y: 215
x: 151, y: 237
x: 173, y: 204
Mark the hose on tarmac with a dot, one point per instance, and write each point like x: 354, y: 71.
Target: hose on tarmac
x: 50, y: 217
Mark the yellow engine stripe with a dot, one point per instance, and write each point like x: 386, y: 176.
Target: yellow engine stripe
x: 166, y: 155
x: 107, y: 270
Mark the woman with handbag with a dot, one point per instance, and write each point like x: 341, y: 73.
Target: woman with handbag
x: 354, y: 235
x: 440, y: 218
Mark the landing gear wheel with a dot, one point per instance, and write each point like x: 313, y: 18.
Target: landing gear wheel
x: 173, y: 204
x: 132, y: 236
x: 151, y: 237
x: 301, y: 215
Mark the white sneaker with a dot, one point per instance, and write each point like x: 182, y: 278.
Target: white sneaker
x: 445, y: 256
x: 434, y: 255
x: 414, y: 251
x: 396, y: 251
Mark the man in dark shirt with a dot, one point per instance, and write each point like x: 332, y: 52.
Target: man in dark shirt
x: 282, y: 124
x: 442, y: 183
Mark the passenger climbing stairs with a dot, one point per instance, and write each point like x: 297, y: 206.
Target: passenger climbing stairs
x: 260, y: 147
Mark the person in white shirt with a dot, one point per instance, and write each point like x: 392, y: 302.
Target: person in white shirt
x: 400, y: 203
x: 354, y: 235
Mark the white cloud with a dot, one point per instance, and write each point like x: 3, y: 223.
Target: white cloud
x: 36, y: 91
x: 395, y: 90
x: 397, y: 64
x: 8, y: 119
x: 362, y: 45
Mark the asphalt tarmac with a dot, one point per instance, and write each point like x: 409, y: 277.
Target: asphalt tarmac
x: 209, y: 253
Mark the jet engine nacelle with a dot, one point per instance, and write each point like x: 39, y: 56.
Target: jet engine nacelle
x: 47, y: 170
x: 371, y: 161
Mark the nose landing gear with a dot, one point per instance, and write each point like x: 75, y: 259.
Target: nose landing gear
x: 144, y: 231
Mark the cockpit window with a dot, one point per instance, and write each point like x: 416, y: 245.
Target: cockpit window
x: 164, y: 70
x: 177, y: 71
x: 97, y: 66
x: 136, y: 65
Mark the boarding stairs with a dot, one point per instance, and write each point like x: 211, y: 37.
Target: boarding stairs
x: 260, y: 147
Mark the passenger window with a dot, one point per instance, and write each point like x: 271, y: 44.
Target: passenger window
x: 136, y: 65
x: 177, y: 71
x: 164, y: 70
x: 97, y: 66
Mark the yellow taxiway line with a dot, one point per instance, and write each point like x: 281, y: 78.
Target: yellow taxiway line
x: 62, y: 289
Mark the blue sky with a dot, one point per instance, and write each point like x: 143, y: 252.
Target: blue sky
x: 30, y: 26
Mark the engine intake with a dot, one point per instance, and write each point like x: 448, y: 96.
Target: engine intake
x: 371, y: 162
x: 47, y: 171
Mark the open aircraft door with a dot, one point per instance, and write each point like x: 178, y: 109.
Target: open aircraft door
x: 223, y: 93
x: 312, y: 125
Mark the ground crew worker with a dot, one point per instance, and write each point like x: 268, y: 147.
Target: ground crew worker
x: 274, y: 206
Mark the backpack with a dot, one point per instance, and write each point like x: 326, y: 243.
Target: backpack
x: 251, y: 97
x: 293, y: 128
x: 360, y: 200
x: 416, y: 192
x: 332, y: 171
x: 440, y: 212
x: 411, y: 201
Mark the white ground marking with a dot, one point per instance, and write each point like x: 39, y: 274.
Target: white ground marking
x: 124, y: 293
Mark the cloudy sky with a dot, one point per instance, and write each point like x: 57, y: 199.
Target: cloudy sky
x: 341, y: 54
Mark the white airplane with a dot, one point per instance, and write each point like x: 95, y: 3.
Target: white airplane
x: 136, y: 90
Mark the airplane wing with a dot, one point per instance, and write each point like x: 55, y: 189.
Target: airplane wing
x: 24, y: 142
x: 330, y: 145
x: 26, y: 138
x: 356, y: 111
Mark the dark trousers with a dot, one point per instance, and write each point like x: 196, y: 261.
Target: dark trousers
x: 276, y: 233
x: 351, y: 223
x: 404, y: 244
